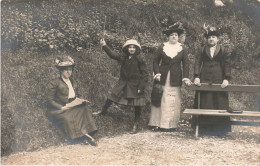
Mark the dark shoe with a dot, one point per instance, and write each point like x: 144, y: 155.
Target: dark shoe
x: 99, y: 113
x: 154, y: 129
x: 92, y: 142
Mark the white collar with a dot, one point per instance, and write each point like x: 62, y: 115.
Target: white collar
x: 172, y: 50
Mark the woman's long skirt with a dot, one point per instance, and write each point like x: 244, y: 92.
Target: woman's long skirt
x: 168, y: 114
x: 212, y: 125
x: 75, y: 122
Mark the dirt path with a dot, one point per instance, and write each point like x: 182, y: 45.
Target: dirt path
x: 150, y: 148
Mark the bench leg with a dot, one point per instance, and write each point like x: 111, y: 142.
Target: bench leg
x: 197, y: 117
x: 197, y: 126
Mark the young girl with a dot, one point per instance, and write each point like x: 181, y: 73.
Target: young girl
x: 129, y: 89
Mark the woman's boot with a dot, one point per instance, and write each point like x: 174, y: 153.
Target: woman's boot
x: 137, y: 117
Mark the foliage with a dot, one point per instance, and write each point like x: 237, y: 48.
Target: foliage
x: 34, y: 33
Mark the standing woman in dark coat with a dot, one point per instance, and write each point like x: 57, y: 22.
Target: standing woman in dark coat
x: 129, y: 89
x: 75, y: 121
x: 212, y: 65
x: 171, y: 68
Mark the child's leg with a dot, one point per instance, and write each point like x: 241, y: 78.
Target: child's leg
x: 105, y: 108
x: 137, y: 118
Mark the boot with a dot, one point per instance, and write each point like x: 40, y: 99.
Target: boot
x: 137, y: 117
x: 104, y: 109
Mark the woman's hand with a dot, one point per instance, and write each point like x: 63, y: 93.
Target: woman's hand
x: 187, y: 81
x: 197, y: 82
x: 64, y: 108
x: 224, y: 83
x: 103, y: 42
x: 157, y: 77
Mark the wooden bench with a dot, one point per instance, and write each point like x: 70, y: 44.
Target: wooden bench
x: 217, y: 87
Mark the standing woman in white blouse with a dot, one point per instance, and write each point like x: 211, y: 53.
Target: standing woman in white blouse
x: 171, y: 68
x: 74, y: 121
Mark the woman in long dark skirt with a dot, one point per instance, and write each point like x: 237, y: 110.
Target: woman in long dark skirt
x: 74, y: 120
x: 133, y: 78
x: 212, y: 65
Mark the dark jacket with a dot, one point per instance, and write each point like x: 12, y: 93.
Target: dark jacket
x: 58, y: 92
x: 171, y: 64
x: 133, y: 75
x: 212, y: 70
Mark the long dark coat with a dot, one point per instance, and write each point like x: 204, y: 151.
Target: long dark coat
x: 171, y: 64
x: 213, y: 70
x: 133, y: 75
x: 74, y: 122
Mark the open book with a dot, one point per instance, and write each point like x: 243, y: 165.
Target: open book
x: 76, y: 102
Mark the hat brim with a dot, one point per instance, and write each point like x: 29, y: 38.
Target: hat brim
x: 168, y: 32
x: 63, y: 67
x: 125, y: 49
x: 211, y: 33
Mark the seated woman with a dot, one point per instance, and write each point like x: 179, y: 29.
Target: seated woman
x: 68, y: 111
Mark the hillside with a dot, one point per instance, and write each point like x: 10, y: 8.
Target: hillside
x: 34, y: 33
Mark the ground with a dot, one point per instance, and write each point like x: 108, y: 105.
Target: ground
x: 241, y: 147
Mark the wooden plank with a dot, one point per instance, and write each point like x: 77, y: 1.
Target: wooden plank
x: 245, y: 123
x: 220, y: 113
x: 229, y: 88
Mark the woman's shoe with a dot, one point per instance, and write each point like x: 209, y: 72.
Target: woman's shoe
x: 154, y: 129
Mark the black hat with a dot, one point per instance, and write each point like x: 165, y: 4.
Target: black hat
x: 176, y: 27
x: 211, y: 31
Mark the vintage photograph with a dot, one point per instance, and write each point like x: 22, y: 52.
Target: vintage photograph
x: 130, y: 82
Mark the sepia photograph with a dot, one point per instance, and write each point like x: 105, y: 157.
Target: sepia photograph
x: 130, y: 82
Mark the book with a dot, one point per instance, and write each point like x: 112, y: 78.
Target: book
x: 75, y: 102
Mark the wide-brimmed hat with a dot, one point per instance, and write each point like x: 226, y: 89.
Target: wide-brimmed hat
x: 176, y: 27
x: 211, y: 31
x: 131, y: 42
x: 64, y: 61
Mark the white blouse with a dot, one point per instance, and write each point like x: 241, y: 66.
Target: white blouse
x: 71, y: 90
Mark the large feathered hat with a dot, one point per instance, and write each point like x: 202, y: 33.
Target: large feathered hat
x: 64, y: 61
x: 176, y: 27
x: 210, y: 31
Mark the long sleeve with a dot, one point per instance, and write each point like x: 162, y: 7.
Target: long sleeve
x: 227, y: 65
x: 144, y: 74
x: 198, y: 62
x: 186, y: 64
x: 111, y: 53
x: 156, y: 61
x: 51, y: 92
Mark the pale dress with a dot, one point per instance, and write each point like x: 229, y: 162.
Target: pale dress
x: 168, y: 114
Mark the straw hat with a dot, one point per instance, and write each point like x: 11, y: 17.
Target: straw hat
x: 131, y: 42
